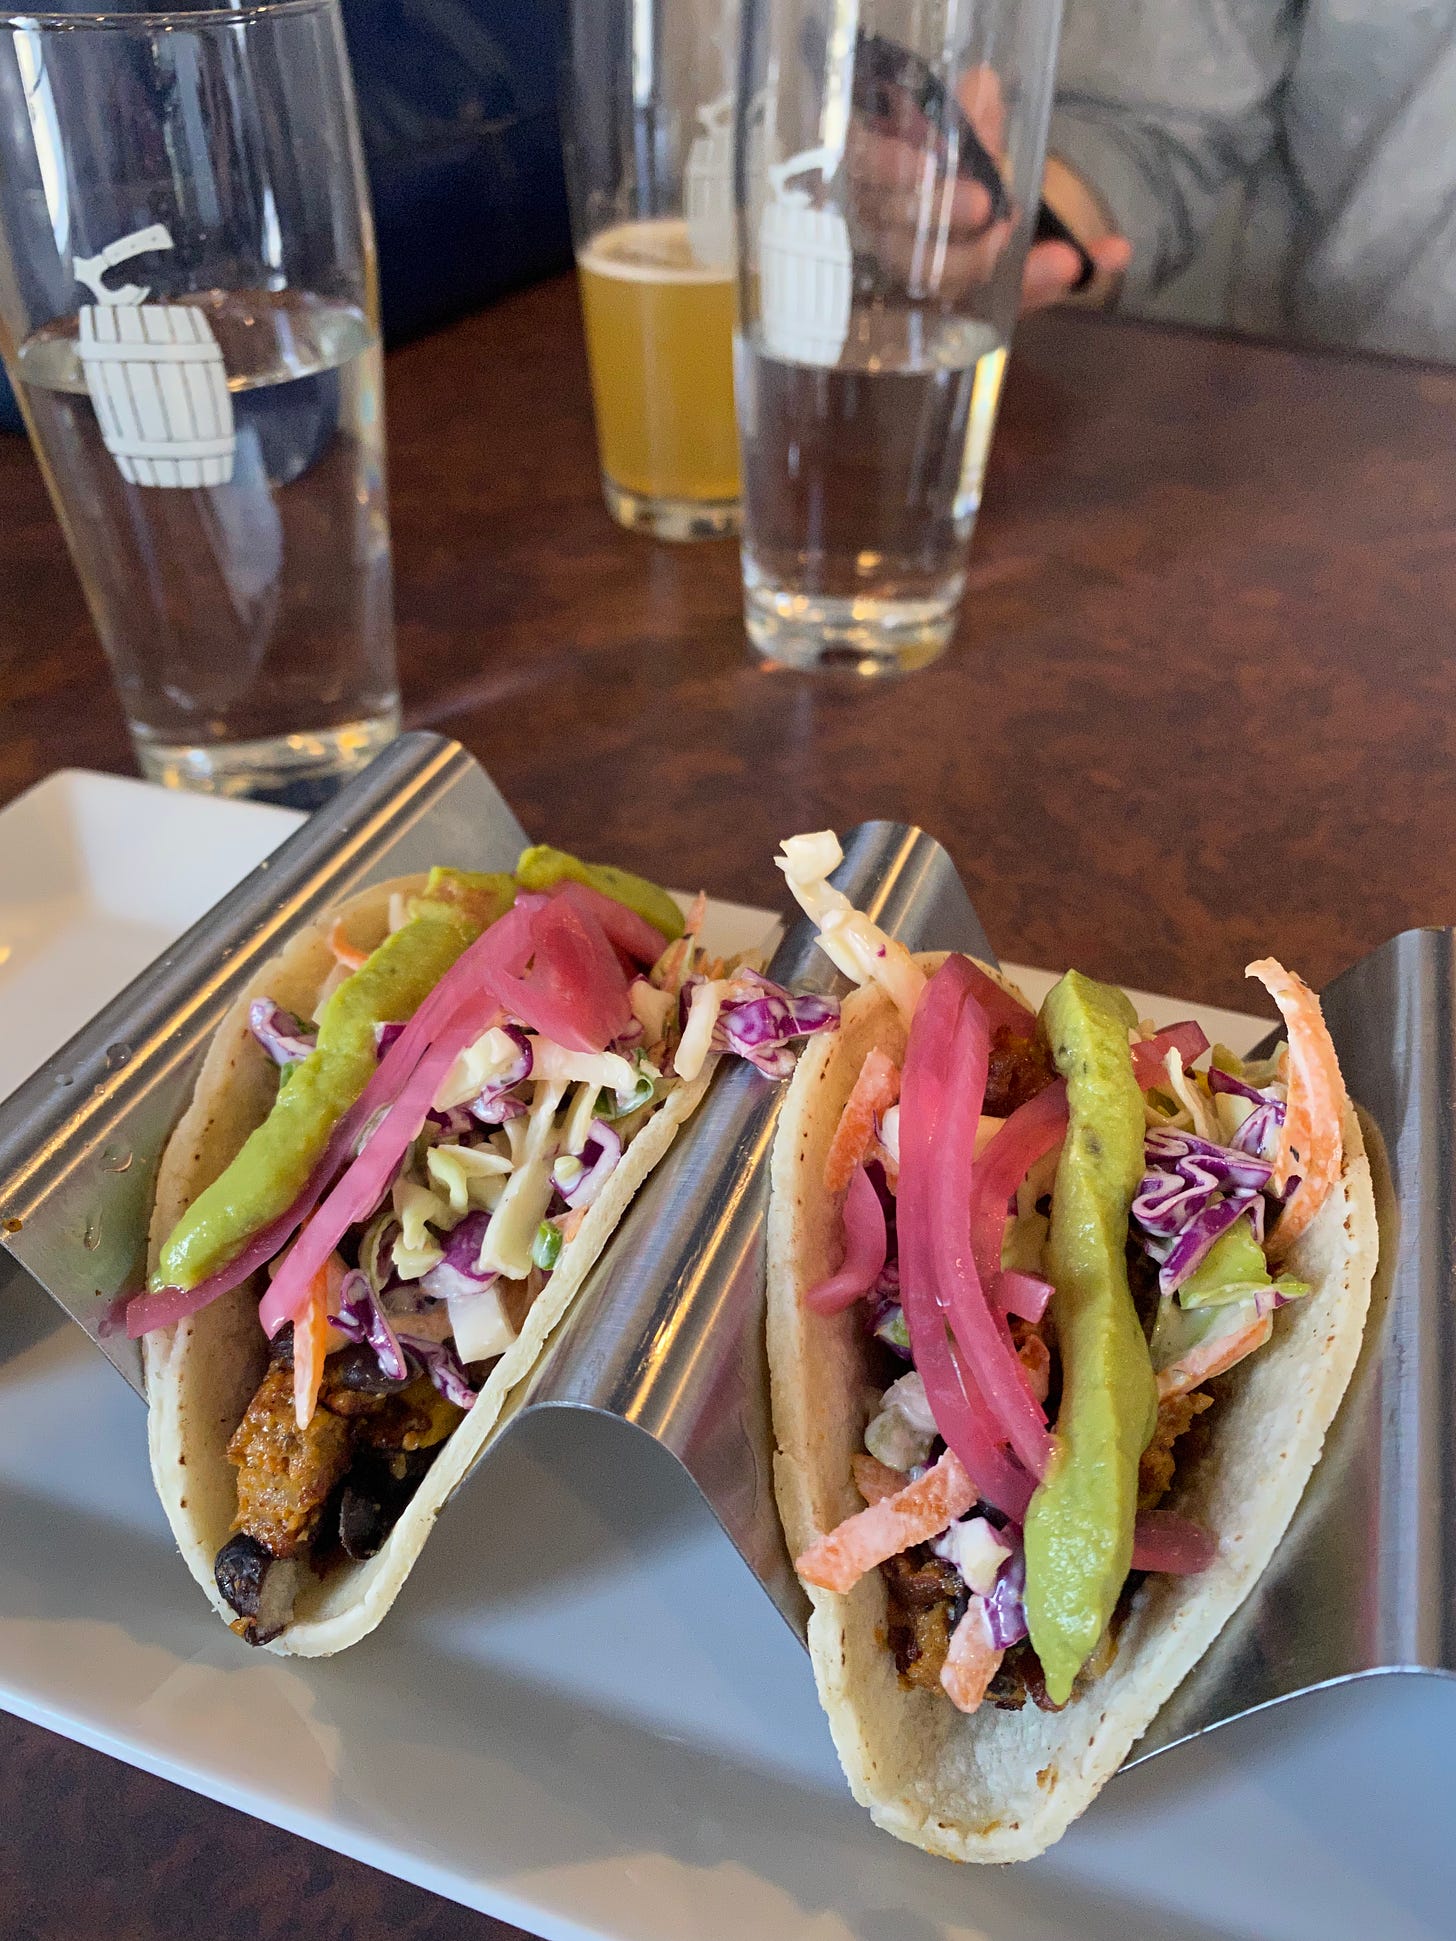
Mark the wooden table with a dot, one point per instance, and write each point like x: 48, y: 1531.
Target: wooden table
x: 1202, y: 704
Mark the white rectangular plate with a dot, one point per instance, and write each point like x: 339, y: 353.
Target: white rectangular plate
x: 583, y: 1715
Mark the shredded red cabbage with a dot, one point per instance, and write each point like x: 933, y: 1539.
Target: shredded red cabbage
x: 285, y: 1038
x: 1191, y: 1195
x: 460, y: 1271
x: 1220, y: 1081
x: 443, y: 1366
x: 761, y: 1021
x: 362, y: 1318
x: 1006, y: 1605
x: 579, y: 1179
x: 496, y: 1103
x: 1260, y: 1131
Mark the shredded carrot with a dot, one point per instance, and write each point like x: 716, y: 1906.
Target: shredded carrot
x: 1213, y: 1358
x: 310, y: 1332
x: 346, y: 953
x: 914, y: 1514
x: 875, y: 1480
x: 971, y: 1660
x: 874, y: 1091
x: 693, y: 922
x: 315, y: 1338
x: 571, y: 1225
x: 1312, y: 1144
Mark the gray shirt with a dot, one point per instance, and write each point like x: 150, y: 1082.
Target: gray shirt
x: 1338, y: 117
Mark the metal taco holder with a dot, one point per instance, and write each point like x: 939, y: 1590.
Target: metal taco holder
x: 667, y: 1334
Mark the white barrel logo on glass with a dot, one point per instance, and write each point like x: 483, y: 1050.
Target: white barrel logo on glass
x: 156, y: 376
x: 708, y: 186
x: 805, y: 276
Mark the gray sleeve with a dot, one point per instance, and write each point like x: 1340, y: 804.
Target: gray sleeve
x: 1160, y: 103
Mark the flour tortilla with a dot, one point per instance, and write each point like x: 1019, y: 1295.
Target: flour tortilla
x: 202, y: 1373
x: 1001, y: 1785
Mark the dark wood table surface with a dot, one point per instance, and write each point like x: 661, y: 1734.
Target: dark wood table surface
x: 1202, y: 704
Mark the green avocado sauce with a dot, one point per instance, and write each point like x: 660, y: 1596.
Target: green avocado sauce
x: 273, y: 1165
x: 1079, y: 1528
x: 540, y: 867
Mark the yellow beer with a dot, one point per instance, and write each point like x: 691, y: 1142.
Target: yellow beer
x: 659, y: 337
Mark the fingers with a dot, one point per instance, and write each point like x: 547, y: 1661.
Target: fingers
x: 1052, y: 269
x: 947, y: 273
x: 1111, y: 255
x: 890, y: 178
x: 979, y: 93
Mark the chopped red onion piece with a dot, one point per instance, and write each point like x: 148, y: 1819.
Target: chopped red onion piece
x: 1163, y: 1540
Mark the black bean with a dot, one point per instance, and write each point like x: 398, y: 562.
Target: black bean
x: 375, y: 1493
x: 357, y: 1368
x: 257, y: 1585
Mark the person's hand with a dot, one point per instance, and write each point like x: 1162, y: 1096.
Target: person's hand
x: 935, y: 233
x: 1052, y: 268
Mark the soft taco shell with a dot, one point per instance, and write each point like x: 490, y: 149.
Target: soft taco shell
x: 1002, y: 1785
x: 202, y: 1373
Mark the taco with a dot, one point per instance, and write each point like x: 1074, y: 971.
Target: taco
x: 1059, y: 1317
x: 408, y: 1143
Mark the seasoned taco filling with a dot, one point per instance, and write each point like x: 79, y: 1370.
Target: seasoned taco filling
x: 1060, y: 1229
x: 442, y: 1126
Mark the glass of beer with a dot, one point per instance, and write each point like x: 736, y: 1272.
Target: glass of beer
x: 648, y: 114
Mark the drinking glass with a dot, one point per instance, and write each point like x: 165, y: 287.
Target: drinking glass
x: 889, y: 160
x: 647, y: 111
x: 189, y: 315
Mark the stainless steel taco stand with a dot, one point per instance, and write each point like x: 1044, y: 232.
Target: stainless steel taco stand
x: 668, y: 1333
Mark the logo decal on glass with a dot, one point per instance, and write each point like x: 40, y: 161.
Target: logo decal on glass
x: 804, y: 266
x: 155, y: 374
x: 708, y: 185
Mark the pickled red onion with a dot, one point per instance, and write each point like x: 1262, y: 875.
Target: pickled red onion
x: 1163, y: 1540
x: 624, y: 929
x: 1027, y: 1136
x: 961, y: 1057
x: 1003, y: 1011
x: 576, y: 990
x: 358, y: 1193
x: 955, y: 1400
x: 1022, y: 1294
x: 865, y: 1246
x: 507, y: 941
x: 1149, y: 1058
